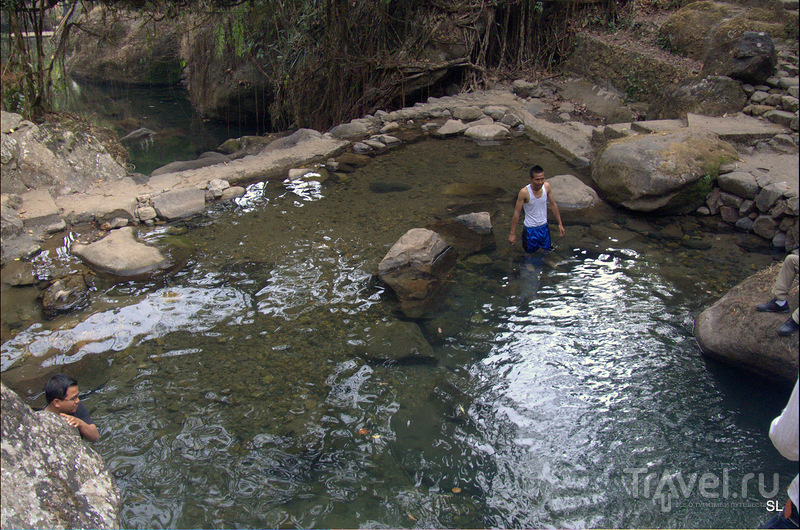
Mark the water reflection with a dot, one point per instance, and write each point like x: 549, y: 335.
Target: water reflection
x: 260, y: 385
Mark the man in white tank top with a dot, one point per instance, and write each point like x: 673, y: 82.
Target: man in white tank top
x: 534, y: 199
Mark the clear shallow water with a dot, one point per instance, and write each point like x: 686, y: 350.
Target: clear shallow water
x: 249, y: 388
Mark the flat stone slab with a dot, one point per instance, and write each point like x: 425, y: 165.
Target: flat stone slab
x: 656, y: 126
x: 740, y: 127
x: 119, y: 253
x: 38, y: 209
x: 180, y: 203
x: 573, y: 139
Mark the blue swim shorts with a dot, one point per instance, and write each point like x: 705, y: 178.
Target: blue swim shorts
x: 534, y: 238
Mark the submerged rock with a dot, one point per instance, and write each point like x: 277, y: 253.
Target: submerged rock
x: 119, y: 253
x: 51, y: 479
x: 388, y: 187
x: 733, y: 331
x: 469, y: 234
x: 65, y: 295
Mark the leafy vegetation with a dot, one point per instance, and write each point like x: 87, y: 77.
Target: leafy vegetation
x: 328, y: 61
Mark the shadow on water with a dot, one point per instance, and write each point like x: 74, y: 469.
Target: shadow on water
x: 271, y: 383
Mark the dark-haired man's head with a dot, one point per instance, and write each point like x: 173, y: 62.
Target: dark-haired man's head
x: 536, y: 170
x: 58, y: 387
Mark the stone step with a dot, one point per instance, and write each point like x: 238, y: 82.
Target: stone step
x: 737, y: 128
x: 39, y: 210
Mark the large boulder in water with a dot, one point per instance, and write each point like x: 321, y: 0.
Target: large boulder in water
x: 571, y: 193
x: 119, y: 253
x: 734, y: 332
x: 51, y: 479
x: 416, y: 267
x: 670, y: 173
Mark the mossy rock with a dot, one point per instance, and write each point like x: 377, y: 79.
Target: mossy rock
x: 687, y: 30
x: 668, y: 173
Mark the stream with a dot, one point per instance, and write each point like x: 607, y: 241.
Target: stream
x: 254, y: 387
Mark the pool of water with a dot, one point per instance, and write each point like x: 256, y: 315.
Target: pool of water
x: 180, y: 132
x: 249, y: 389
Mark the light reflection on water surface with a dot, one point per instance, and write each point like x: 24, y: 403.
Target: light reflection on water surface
x: 251, y: 389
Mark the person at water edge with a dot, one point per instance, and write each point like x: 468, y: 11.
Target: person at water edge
x: 784, y: 435
x: 533, y: 199
x: 61, y: 393
x: 780, y: 291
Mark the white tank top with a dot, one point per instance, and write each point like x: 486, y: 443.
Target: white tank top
x: 535, y: 209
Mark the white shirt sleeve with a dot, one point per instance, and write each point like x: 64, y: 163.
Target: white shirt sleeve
x: 784, y: 429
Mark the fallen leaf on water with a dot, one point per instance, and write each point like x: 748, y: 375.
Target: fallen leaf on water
x: 376, y: 436
x: 363, y: 431
x: 411, y: 517
x: 456, y: 490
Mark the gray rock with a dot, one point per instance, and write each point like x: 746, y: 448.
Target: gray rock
x: 467, y: 113
x: 524, y: 89
x: 789, y: 82
x: 765, y: 226
x: 782, y: 117
x: 186, y: 165
x: 739, y: 183
x: 10, y: 223
x: 303, y: 135
x: 729, y: 215
x: 232, y: 192
x: 571, y: 193
x: 779, y: 241
x: 119, y: 253
x: 790, y: 103
x: 663, y: 172
x: 711, y: 96
x: 146, y: 213
x: 350, y: 131
x: 217, y: 186
x: 180, y: 203
x: 485, y: 132
x: 751, y: 58
x: 451, y: 128
x: 745, y: 224
x: 51, y: 479
x: 9, y: 121
x: 729, y: 199
x: 362, y: 148
x: 734, y: 332
x: 468, y: 234
x: 495, y: 112
x: 770, y: 194
x: 747, y: 207
x: 415, y: 268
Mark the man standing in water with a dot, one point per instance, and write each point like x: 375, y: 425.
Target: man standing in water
x: 61, y: 393
x: 533, y: 199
